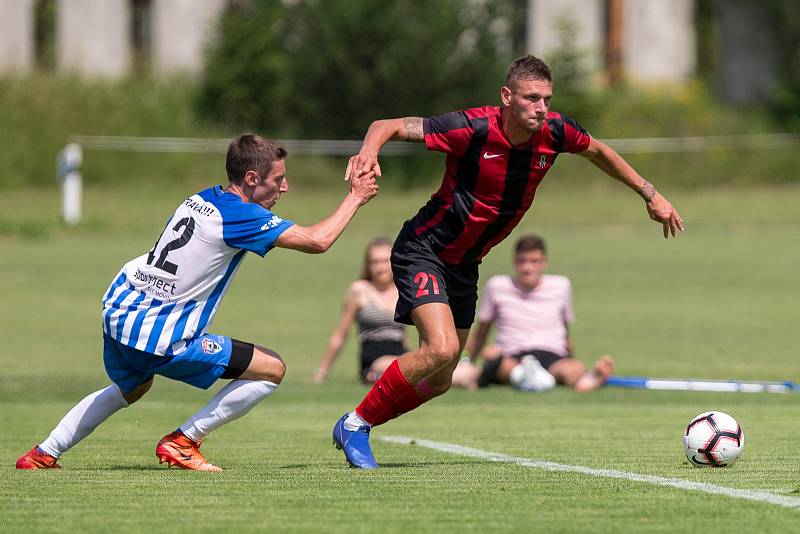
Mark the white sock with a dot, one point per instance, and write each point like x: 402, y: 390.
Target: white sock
x: 81, y: 420
x: 354, y: 421
x: 231, y: 402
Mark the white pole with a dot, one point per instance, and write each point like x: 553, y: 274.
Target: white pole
x: 69, y: 163
x: 71, y: 190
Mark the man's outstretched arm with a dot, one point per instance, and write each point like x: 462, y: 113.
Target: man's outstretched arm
x: 477, y: 340
x: 658, y: 207
x: 378, y: 134
x: 319, y: 237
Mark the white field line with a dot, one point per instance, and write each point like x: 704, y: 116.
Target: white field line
x: 750, y: 495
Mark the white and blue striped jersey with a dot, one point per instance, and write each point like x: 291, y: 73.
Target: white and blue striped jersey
x: 170, y: 294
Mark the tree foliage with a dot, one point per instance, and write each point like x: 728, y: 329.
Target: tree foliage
x: 328, y: 68
x: 786, y: 19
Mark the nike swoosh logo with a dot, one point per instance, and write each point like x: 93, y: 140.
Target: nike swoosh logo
x: 486, y: 155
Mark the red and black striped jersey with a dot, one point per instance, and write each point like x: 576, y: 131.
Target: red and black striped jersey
x: 488, y: 183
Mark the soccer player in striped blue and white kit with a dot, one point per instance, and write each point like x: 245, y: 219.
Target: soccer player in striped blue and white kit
x: 158, y: 309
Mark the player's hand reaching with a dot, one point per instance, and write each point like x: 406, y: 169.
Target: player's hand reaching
x: 378, y: 134
x: 660, y: 210
x: 364, y: 186
x: 362, y: 163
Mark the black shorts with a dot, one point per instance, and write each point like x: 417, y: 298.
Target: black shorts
x: 372, y: 350
x: 421, y: 278
x: 241, y: 356
x: 488, y: 374
x: 545, y: 358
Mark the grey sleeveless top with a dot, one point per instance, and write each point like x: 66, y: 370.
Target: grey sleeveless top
x: 376, y: 323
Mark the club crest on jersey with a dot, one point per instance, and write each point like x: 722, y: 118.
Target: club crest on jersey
x: 272, y: 223
x: 210, y: 347
x: 542, y: 161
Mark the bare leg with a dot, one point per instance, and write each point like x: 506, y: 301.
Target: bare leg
x: 568, y: 371
x: 573, y: 373
x: 417, y: 376
x: 265, y: 365
x: 466, y: 375
x: 439, y: 346
x: 378, y: 367
x: 440, y: 381
x: 598, y: 376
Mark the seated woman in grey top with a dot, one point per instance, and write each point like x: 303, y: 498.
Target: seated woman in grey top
x: 370, y: 301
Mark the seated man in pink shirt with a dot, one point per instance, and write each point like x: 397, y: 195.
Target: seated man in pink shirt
x: 532, y: 312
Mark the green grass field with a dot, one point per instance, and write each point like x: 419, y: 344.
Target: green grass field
x: 722, y: 301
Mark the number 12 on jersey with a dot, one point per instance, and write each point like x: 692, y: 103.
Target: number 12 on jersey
x: 187, y: 223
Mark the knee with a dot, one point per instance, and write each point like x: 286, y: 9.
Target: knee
x: 569, y: 373
x: 266, y: 365
x: 279, y: 372
x: 443, y: 351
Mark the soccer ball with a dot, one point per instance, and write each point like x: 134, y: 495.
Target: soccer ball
x: 713, y: 439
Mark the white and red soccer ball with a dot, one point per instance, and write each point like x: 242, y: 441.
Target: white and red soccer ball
x: 713, y: 439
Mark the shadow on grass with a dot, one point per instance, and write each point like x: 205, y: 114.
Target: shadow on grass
x: 390, y: 465
x: 394, y: 465
x: 123, y: 468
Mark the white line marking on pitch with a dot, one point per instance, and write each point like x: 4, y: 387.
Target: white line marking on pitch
x: 750, y: 495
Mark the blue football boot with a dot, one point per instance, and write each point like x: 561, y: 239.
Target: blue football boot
x: 355, y: 444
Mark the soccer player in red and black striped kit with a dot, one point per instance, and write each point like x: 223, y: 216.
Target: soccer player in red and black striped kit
x: 496, y: 157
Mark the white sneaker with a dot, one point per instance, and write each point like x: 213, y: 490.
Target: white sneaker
x: 529, y: 375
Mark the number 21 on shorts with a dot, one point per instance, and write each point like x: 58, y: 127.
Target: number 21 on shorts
x: 423, y: 280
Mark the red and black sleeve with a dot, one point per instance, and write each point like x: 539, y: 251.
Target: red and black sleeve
x: 449, y: 133
x: 568, y: 135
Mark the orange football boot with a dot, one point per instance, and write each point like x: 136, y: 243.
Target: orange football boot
x: 177, y: 449
x: 37, y: 459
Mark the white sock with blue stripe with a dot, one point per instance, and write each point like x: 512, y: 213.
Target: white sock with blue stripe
x: 231, y: 402
x: 81, y: 420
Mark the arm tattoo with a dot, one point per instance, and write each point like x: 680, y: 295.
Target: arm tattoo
x: 647, y: 191
x: 413, y: 128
